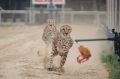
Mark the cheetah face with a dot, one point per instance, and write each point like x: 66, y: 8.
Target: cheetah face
x: 65, y: 30
x: 51, y: 22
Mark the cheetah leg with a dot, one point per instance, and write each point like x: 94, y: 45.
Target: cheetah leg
x: 47, y: 57
x: 62, y: 62
x: 50, y: 61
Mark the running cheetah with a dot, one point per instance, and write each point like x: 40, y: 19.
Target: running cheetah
x: 49, y: 32
x: 61, y: 45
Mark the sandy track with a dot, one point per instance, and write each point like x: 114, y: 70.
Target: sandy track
x: 19, y: 58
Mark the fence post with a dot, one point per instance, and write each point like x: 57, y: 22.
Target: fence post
x: 119, y: 15
x: 31, y: 13
x: 98, y: 18
x: 110, y: 14
x: 72, y: 17
x: 107, y: 13
x: 63, y: 15
x: 34, y: 16
x: 31, y: 16
x: 0, y: 17
x: 26, y: 16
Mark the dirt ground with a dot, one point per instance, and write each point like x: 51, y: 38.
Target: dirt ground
x: 19, y: 59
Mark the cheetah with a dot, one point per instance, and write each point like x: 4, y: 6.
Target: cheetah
x: 61, y: 45
x: 49, y: 32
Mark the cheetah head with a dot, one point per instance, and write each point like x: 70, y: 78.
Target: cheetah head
x: 51, y: 22
x: 65, y: 30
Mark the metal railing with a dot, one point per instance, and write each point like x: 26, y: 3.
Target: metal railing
x: 39, y: 17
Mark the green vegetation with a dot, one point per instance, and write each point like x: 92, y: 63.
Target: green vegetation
x: 112, y: 64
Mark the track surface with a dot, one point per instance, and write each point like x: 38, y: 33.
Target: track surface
x: 19, y: 58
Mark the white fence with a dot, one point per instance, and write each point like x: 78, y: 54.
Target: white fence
x: 40, y: 16
x: 113, y: 14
